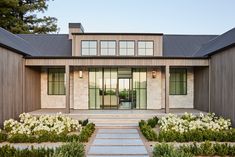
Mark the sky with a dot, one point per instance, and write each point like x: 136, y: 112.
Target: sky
x: 145, y: 16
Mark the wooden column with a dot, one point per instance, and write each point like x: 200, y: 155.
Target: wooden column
x: 167, y: 81
x: 67, y: 78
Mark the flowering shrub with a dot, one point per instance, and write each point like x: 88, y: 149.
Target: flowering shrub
x: 32, y: 125
x: 189, y: 122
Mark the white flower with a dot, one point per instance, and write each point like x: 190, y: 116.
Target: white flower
x: 189, y: 122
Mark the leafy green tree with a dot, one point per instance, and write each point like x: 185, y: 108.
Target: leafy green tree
x: 19, y: 16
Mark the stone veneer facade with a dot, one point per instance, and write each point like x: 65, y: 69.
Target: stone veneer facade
x: 155, y: 91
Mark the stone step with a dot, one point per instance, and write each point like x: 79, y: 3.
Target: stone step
x: 118, y: 142
x: 117, y: 136
x: 117, y: 150
x: 116, y: 120
x: 110, y: 125
x: 123, y: 130
x: 111, y: 116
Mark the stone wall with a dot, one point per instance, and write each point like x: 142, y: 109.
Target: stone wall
x: 180, y: 101
x: 80, y: 89
x: 54, y: 101
x: 154, y: 91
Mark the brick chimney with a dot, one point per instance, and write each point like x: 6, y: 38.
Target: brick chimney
x: 75, y: 28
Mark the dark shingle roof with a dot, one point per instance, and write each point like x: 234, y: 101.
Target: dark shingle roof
x: 16, y: 43
x: 50, y: 44
x: 183, y: 45
x: 220, y: 42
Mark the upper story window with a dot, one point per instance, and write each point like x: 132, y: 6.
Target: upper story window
x: 56, y: 81
x: 126, y: 48
x: 145, y: 48
x: 108, y: 48
x: 89, y: 48
x: 178, y: 81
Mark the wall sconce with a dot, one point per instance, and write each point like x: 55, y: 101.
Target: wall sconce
x: 80, y: 74
x: 154, y: 74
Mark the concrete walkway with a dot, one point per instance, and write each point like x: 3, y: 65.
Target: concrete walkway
x: 117, y: 142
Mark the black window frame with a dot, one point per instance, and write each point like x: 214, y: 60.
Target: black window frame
x: 119, y: 48
x: 89, y: 47
x: 108, y: 48
x: 145, y: 47
x: 49, y: 81
x: 183, y: 71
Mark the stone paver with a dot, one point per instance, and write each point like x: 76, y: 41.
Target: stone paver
x: 118, y: 142
x: 114, y: 142
x: 115, y: 136
x: 118, y: 131
x: 118, y: 150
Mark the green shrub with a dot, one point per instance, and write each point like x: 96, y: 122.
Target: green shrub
x: 20, y: 138
x: 86, y: 132
x: 205, y: 149
x: 152, y: 121
x: 84, y: 122
x: 8, y: 151
x: 3, y: 137
x: 165, y: 150
x: 148, y: 132
x: 72, y: 149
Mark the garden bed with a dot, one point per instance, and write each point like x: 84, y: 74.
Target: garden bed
x: 189, y: 135
x: 188, y: 128
x: 45, y: 128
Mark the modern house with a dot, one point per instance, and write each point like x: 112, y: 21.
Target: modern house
x: 116, y: 71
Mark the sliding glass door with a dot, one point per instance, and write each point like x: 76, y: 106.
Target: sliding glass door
x: 117, y: 88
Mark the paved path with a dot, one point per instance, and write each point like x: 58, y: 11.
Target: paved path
x: 117, y: 142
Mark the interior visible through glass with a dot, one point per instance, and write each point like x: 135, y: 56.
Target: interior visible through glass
x: 117, y: 88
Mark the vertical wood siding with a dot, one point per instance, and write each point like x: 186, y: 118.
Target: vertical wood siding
x: 12, y: 92
x: 222, y: 87
x: 201, y: 88
x: 32, y: 89
x: 11, y: 74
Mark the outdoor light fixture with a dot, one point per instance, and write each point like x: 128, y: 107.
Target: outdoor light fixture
x: 154, y: 74
x: 80, y: 74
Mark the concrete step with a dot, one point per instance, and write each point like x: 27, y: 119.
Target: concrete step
x: 111, y: 125
x: 111, y: 116
x: 117, y: 150
x: 114, y: 120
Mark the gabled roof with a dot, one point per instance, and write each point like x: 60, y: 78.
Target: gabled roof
x: 223, y: 41
x: 16, y: 43
x: 50, y: 44
x: 183, y: 45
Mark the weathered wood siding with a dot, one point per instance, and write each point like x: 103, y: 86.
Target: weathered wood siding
x: 11, y: 84
x: 222, y: 87
x: 19, y: 86
x: 32, y: 89
x: 201, y: 88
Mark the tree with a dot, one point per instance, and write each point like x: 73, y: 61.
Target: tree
x: 19, y: 16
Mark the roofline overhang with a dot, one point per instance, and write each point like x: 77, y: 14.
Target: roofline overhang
x: 113, y: 57
x: 159, y: 34
x: 14, y: 50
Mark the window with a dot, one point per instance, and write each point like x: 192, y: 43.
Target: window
x: 89, y: 48
x: 145, y: 48
x: 139, y: 88
x: 108, y: 48
x: 126, y: 48
x: 56, y: 81
x: 178, y: 81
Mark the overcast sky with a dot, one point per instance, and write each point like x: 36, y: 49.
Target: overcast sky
x: 156, y: 16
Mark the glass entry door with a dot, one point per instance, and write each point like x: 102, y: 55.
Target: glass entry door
x: 124, y: 93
